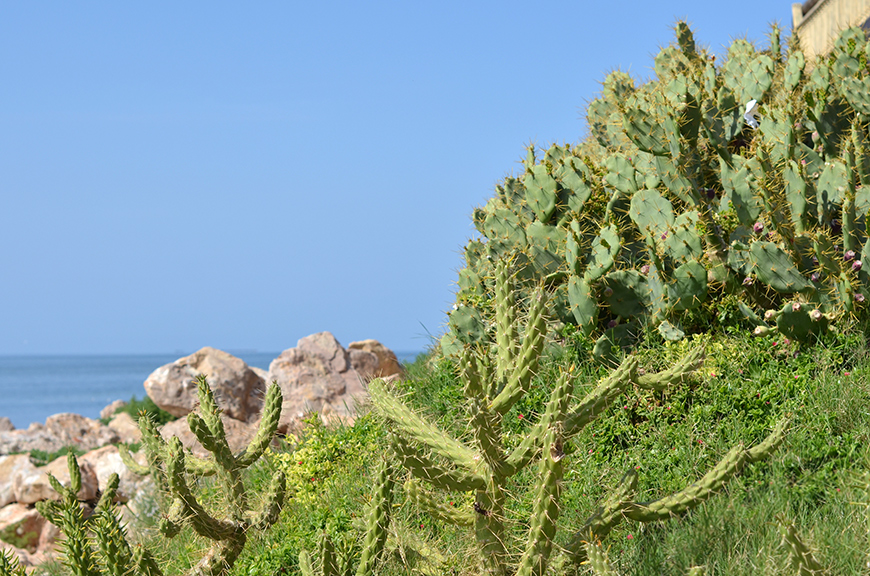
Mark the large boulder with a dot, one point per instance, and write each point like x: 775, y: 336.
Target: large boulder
x: 126, y: 428
x: 6, y: 424
x: 317, y: 376
x: 238, y: 389
x: 387, y: 365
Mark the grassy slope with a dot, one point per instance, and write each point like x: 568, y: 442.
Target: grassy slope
x: 671, y: 438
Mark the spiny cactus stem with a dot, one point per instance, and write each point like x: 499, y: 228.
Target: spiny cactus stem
x: 377, y: 522
x: 271, y: 509
x: 605, y: 518
x: 505, y: 309
x: 425, y: 468
x: 598, y: 560
x: 204, y: 524
x: 527, y: 361
x: 420, y: 429
x: 489, y: 528
x: 272, y: 404
x: 687, y: 364
x: 546, y: 511
x: 425, y: 502
x: 802, y: 558
x: 600, y: 398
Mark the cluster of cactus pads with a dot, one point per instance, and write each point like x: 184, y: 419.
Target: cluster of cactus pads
x: 681, y: 195
x: 484, y: 466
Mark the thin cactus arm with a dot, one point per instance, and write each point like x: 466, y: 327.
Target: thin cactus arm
x: 305, y: 563
x: 425, y: 502
x: 132, y: 465
x: 598, y: 559
x: 10, y: 565
x: 144, y: 563
x: 770, y: 443
x: 272, y: 405
x: 605, y: 518
x: 505, y: 315
x: 211, y: 418
x: 271, y: 507
x: 110, y: 491
x: 600, y: 398
x: 528, y: 448
x: 112, y: 541
x: 694, y: 494
x: 424, y: 468
x: 420, y: 429
x: 203, y: 523
x: 377, y: 522
x: 220, y: 557
x: 526, y: 363
x: 687, y: 364
x: 801, y: 556
x: 539, y: 545
x: 486, y: 427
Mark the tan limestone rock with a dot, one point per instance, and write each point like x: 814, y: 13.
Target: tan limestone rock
x: 239, y: 435
x: 388, y: 364
x: 126, y: 428
x: 33, y: 485
x: 21, y: 526
x: 10, y: 468
x: 238, y: 389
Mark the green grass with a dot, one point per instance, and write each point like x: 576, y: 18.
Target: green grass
x: 670, y: 438
x: 136, y: 407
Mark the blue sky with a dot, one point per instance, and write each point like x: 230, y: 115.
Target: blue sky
x: 240, y: 175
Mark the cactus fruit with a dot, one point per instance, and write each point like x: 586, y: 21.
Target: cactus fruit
x: 171, y: 470
x: 675, y: 199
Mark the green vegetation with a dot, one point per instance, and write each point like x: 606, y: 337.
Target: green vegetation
x: 136, y: 408
x: 602, y: 403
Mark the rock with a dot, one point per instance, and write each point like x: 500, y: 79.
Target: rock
x: 365, y: 363
x: 106, y: 461
x: 126, y: 428
x: 10, y: 468
x: 110, y: 410
x: 25, y: 557
x: 6, y: 424
x: 59, y: 431
x: 238, y: 389
x: 316, y: 376
x: 48, y: 538
x: 239, y: 435
x: 388, y: 364
x: 32, y: 485
x: 21, y: 526
x: 78, y: 431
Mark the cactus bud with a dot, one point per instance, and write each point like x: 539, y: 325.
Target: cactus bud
x: 859, y: 297
x: 796, y: 306
x: 748, y: 281
x: 816, y: 315
x: 814, y: 277
x: 815, y: 137
x: 758, y: 227
x: 644, y: 269
x: 608, y: 292
x: 849, y: 255
x: 613, y: 324
x: 769, y: 315
x: 761, y: 331
x: 856, y: 265
x: 798, y: 126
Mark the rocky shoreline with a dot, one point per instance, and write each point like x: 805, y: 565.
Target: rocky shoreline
x: 318, y: 375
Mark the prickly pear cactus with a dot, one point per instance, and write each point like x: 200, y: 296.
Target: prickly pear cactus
x: 747, y: 177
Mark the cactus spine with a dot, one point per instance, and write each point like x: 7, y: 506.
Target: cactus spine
x: 171, y: 469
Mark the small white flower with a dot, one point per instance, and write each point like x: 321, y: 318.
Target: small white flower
x: 751, y: 112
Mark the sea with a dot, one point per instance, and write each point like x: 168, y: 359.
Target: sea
x: 33, y: 387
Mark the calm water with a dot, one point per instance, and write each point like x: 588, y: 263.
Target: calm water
x: 35, y: 387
